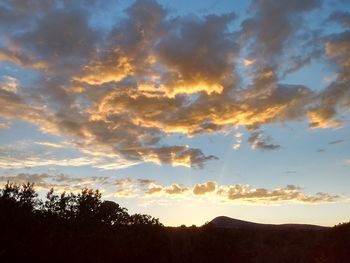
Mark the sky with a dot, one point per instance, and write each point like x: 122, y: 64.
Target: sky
x: 184, y: 110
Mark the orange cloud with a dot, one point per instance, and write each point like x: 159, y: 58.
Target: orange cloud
x: 100, y: 72
x: 118, y: 96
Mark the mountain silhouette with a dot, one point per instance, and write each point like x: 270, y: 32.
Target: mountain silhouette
x: 228, y: 222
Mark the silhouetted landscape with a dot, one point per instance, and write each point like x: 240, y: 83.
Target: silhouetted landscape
x: 84, y: 228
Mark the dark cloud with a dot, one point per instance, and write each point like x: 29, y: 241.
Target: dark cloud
x: 145, y: 182
x: 271, y: 29
x: 258, y: 142
x: 336, y: 142
x: 336, y: 96
x: 62, y: 38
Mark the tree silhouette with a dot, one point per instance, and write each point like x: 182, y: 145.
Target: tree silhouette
x: 28, y: 197
x: 110, y: 213
x: 10, y: 192
x: 140, y: 219
x: 87, y: 204
x: 85, y: 228
x: 51, y: 205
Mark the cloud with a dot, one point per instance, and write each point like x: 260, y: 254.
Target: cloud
x: 262, y: 195
x: 24, y: 178
x: 131, y: 50
x: 154, y: 189
x: 123, y: 182
x: 119, y: 92
x: 21, y: 59
x: 336, y: 96
x: 237, y: 193
x: 258, y: 142
x: 201, y: 189
x: 238, y: 138
x: 5, y: 125
x: 51, y: 144
x: 336, y: 142
x: 273, y: 28
x: 175, y: 189
x: 29, y: 155
x: 125, y: 188
x: 38, y: 161
x: 323, y: 117
x: 131, y: 188
x: 58, y: 39
x: 60, y: 182
x: 13, y: 106
x: 206, y: 57
x: 9, y: 84
x: 340, y: 17
x: 145, y: 182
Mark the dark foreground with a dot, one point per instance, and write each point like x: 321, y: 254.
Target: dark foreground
x: 83, y: 228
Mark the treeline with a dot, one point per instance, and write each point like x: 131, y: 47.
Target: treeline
x: 84, y: 208
x: 82, y: 227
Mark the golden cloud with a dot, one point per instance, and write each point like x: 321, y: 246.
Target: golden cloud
x: 238, y: 193
x: 261, y: 195
x: 100, y: 72
x: 201, y: 189
x: 118, y: 96
x: 130, y: 188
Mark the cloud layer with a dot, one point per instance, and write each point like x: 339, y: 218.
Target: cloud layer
x: 146, y: 188
x: 118, y: 93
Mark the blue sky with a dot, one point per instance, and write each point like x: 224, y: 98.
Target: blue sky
x: 184, y: 110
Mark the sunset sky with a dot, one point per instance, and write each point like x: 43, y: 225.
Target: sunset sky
x: 185, y: 110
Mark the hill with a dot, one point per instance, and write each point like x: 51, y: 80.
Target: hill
x: 228, y: 222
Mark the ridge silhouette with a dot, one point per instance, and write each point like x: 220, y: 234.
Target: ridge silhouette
x: 228, y: 222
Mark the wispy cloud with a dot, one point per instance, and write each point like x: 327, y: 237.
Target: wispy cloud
x: 38, y: 154
x: 336, y: 142
x: 257, y: 141
x: 60, y: 182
